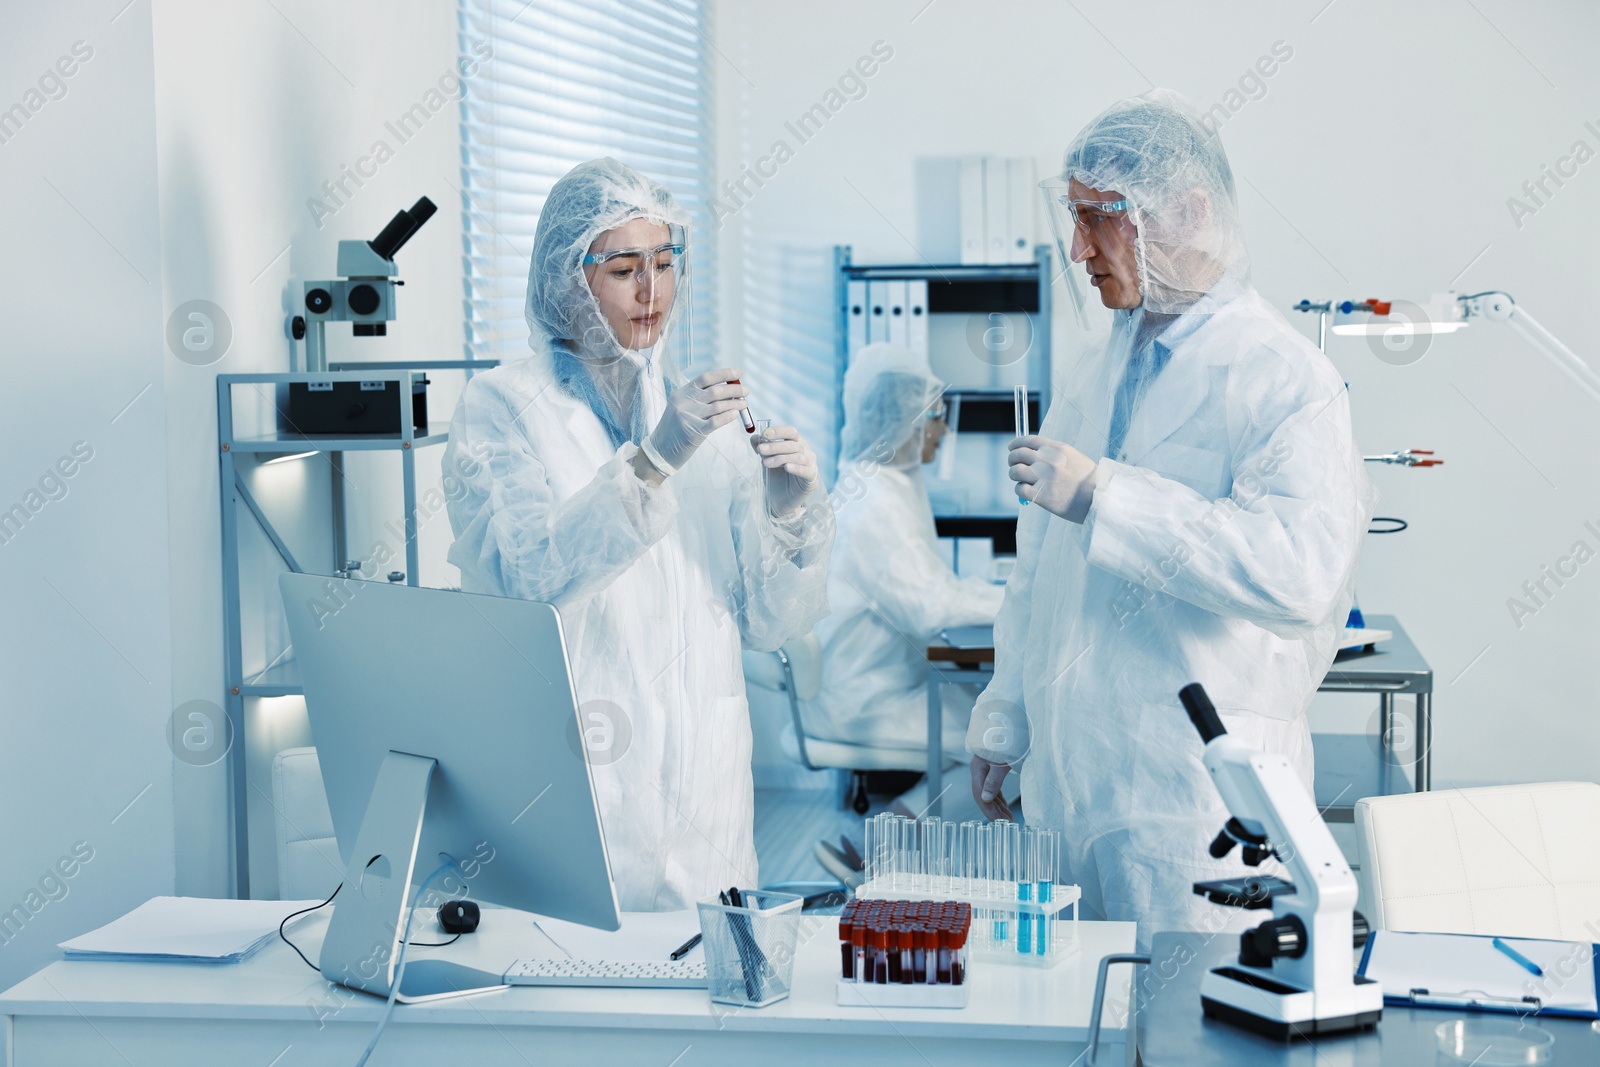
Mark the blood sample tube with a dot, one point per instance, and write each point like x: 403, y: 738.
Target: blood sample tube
x: 930, y: 955
x: 908, y: 971
x: 880, y: 955
x: 744, y: 413
x: 858, y: 952
x: 847, y: 953
x: 919, y: 953
x: 944, y: 954
x: 896, y: 960
x: 958, y: 956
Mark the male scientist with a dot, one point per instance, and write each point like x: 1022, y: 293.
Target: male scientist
x: 1197, y: 510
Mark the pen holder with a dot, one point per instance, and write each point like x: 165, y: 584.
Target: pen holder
x: 750, y: 950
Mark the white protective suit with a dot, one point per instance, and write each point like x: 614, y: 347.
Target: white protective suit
x: 657, y: 586
x: 889, y: 592
x: 1220, y: 546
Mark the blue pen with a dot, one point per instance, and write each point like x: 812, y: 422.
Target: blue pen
x: 1527, y: 964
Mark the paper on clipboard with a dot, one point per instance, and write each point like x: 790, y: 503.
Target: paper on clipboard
x: 1466, y: 971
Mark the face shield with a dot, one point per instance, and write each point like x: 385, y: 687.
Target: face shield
x: 635, y: 287
x: 1063, y: 217
x: 1154, y: 171
x: 609, y: 292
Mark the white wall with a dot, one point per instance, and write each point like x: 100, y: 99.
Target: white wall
x: 85, y: 656
x: 1377, y: 162
x: 258, y: 105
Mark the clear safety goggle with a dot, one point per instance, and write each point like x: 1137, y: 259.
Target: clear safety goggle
x: 639, y: 263
x: 1084, y: 214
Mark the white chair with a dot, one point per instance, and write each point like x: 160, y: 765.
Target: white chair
x: 308, y: 854
x: 1513, y: 860
x: 796, y: 671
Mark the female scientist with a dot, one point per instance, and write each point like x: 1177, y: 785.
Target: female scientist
x: 888, y: 589
x: 597, y: 480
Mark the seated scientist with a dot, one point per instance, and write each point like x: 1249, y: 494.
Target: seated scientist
x: 1198, y: 511
x: 597, y: 480
x: 889, y: 591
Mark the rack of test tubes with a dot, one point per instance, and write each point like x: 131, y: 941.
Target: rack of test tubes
x: 904, y: 953
x: 1005, y: 871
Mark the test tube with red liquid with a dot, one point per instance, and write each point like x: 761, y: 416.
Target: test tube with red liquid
x: 744, y: 413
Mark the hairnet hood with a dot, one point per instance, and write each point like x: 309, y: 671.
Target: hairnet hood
x: 588, y: 200
x: 887, y: 389
x: 1154, y: 151
x: 564, y: 318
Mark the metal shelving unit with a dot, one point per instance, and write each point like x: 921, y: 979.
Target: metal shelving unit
x: 965, y: 288
x: 282, y: 678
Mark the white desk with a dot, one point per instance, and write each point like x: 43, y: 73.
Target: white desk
x: 272, y: 1010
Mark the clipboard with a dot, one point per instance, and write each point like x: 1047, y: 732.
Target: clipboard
x: 1465, y: 972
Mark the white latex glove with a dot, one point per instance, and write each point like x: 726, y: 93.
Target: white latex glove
x: 1053, y: 475
x: 791, y: 467
x: 694, y: 411
x: 987, y: 778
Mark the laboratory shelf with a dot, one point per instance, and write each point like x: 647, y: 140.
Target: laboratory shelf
x: 999, y: 529
x: 979, y: 404
x: 946, y: 272
x: 282, y: 677
x: 280, y: 680
x: 367, y: 442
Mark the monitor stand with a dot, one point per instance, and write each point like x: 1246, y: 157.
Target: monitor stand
x: 363, y: 939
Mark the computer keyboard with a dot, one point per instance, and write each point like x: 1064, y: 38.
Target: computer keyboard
x: 664, y: 974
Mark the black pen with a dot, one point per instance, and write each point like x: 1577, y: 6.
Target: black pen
x: 683, y: 949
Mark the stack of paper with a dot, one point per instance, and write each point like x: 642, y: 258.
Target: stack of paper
x: 192, y: 929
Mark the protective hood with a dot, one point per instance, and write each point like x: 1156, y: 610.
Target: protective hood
x: 564, y: 318
x: 1154, y: 151
x: 888, y: 392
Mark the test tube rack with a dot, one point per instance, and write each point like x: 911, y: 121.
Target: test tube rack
x: 897, y: 954
x: 1005, y: 872
x: 997, y: 921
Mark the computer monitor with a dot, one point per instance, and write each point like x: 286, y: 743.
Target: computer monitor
x: 447, y: 727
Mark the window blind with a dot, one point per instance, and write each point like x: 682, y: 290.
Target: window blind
x: 568, y: 81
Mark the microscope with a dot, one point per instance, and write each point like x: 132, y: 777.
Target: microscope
x: 364, y: 296
x: 1295, y: 976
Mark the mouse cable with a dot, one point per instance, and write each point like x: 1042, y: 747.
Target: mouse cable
x: 324, y: 904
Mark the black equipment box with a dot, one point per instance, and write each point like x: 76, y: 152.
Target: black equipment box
x: 336, y: 407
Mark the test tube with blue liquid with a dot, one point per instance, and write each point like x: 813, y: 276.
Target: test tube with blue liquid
x: 1027, y: 856
x: 1044, y: 873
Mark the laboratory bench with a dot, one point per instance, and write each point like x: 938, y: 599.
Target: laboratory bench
x: 272, y: 1010
x: 1173, y: 1031
x: 1348, y: 766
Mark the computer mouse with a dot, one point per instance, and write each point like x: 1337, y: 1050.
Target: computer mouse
x: 458, y: 917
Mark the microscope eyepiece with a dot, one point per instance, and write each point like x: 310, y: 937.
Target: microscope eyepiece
x: 1201, y: 712
x: 405, y: 223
